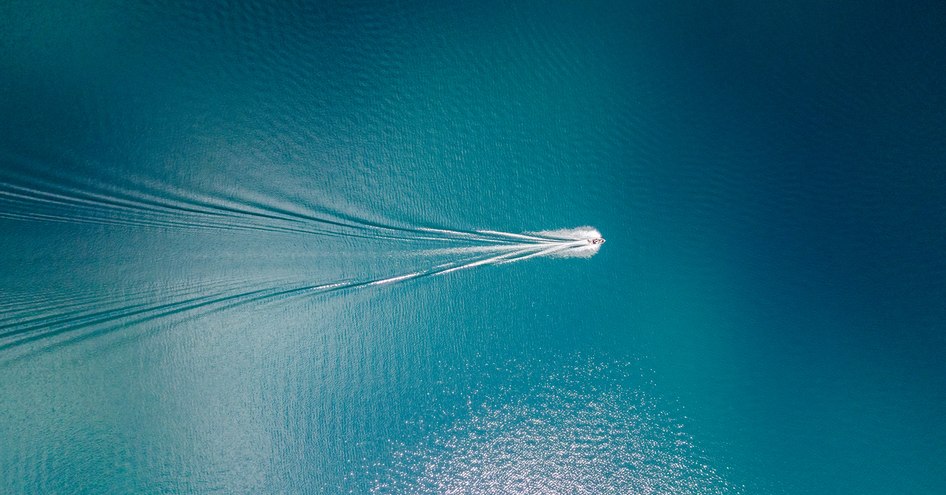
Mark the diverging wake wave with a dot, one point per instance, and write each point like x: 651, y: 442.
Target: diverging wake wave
x: 58, y: 320
x: 54, y: 196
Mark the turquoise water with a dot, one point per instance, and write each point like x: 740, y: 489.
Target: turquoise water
x: 229, y: 234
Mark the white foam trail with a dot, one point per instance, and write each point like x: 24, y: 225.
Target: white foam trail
x: 516, y: 236
x: 544, y: 252
x: 578, y: 233
x: 583, y: 251
x: 487, y: 261
x: 398, y: 278
x: 476, y: 249
x: 475, y: 236
x: 560, y: 243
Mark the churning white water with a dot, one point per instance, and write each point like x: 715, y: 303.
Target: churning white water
x: 505, y: 247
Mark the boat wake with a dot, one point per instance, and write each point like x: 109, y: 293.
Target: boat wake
x: 581, y: 242
x: 58, y: 320
x: 36, y: 320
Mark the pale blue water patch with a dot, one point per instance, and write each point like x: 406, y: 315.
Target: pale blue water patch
x: 250, y: 247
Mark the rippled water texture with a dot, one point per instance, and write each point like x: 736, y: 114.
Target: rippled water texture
x: 290, y: 247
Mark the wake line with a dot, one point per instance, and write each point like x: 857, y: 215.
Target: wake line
x: 29, y: 319
x: 49, y: 195
x: 44, y: 202
x: 532, y: 238
x: 83, y: 210
x: 41, y: 196
x: 75, y: 319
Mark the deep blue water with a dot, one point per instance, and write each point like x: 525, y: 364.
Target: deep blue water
x: 198, y: 201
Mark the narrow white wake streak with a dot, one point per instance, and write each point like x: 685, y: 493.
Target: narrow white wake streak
x: 441, y: 269
x: 547, y: 251
x: 487, y: 261
x: 397, y: 278
x: 516, y: 236
x: 475, y: 236
x: 477, y: 249
x: 575, y: 234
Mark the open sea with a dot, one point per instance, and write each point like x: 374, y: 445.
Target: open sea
x: 354, y: 247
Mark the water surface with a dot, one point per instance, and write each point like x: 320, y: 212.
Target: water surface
x: 229, y: 234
